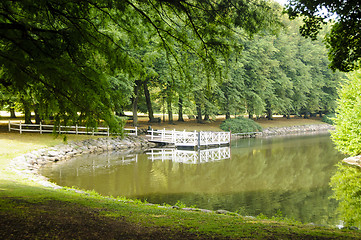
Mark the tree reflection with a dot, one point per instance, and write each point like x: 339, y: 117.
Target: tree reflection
x: 346, y: 184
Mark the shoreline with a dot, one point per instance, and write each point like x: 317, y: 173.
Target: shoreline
x: 29, y: 163
x: 295, y: 130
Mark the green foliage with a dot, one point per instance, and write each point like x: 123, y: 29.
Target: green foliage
x: 285, y: 74
x: 346, y: 184
x: 119, y: 123
x: 347, y: 134
x: 240, y: 125
x: 343, y: 41
x: 329, y: 118
x: 84, y: 57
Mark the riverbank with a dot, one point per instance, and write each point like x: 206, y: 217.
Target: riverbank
x: 32, y: 209
x: 294, y: 130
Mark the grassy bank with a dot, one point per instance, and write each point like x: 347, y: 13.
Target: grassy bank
x: 28, y: 210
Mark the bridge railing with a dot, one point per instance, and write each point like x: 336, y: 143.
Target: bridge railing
x: 183, y: 138
x: 207, y: 138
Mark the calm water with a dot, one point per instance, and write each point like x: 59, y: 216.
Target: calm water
x: 288, y: 175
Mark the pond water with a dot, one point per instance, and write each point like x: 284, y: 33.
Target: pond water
x: 288, y: 175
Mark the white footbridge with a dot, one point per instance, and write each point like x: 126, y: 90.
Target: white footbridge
x: 190, y: 157
x: 189, y: 139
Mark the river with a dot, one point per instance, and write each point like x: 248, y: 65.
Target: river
x: 286, y: 176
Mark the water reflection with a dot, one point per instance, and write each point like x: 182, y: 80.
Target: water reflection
x: 346, y: 183
x: 260, y: 176
x: 189, y: 156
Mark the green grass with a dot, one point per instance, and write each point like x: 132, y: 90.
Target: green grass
x: 30, y: 210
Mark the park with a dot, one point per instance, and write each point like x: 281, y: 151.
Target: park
x: 180, y: 120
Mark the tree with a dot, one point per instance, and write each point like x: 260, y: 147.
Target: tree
x: 344, y: 39
x: 347, y: 134
x: 73, y: 48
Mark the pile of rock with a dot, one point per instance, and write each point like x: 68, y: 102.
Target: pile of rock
x: 303, y: 129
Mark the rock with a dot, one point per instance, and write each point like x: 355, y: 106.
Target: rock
x: 206, y: 210
x: 221, y: 211
x: 52, y: 153
x: 189, y: 209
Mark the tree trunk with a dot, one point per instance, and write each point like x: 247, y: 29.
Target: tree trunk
x: 12, y: 111
x: 169, y: 109
x: 27, y: 112
x: 135, y: 103
x: 149, y: 103
x: 199, y: 113
x: 306, y: 116
x: 228, y: 115
x: 37, y: 115
x: 269, y: 114
x: 180, y: 109
x: 198, y: 107
x: 206, y: 117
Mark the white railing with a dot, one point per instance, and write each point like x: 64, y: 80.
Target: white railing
x: 131, y: 131
x: 190, y: 157
x: 183, y: 138
x: 46, y: 128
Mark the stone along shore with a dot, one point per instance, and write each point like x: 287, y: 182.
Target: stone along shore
x: 294, y: 130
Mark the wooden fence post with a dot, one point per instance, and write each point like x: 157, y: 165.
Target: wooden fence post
x: 173, y: 136
x: 199, y: 140
x: 136, y: 131
x: 40, y: 128
x: 20, y: 128
x: 76, y: 129
x: 230, y: 137
x: 9, y: 126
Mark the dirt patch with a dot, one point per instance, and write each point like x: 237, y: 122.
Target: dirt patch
x: 62, y: 220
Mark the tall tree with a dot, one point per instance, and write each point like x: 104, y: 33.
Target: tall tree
x: 344, y: 39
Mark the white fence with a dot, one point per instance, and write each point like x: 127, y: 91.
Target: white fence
x: 43, y: 128
x: 183, y: 138
x: 190, y: 157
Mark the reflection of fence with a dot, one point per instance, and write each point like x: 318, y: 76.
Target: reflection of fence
x: 179, y: 138
x: 43, y: 128
x: 95, y: 164
x: 193, y: 157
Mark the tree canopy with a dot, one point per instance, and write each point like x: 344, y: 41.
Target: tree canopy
x: 344, y: 39
x: 66, y: 53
